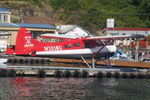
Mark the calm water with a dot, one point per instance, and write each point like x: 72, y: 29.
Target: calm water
x: 33, y: 88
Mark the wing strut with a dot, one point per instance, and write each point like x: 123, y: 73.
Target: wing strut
x: 93, y: 61
x: 93, y: 56
x: 98, y: 52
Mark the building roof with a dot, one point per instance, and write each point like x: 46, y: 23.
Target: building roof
x: 3, y: 10
x: 8, y: 25
x: 38, y: 20
x: 27, y: 25
x: 128, y: 29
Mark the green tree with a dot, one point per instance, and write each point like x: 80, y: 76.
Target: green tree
x: 92, y: 14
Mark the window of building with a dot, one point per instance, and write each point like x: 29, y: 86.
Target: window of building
x: 0, y: 18
x: 35, y: 34
x: 5, y: 18
x: 4, y: 34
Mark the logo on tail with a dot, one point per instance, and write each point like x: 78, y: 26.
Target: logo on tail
x: 28, y: 41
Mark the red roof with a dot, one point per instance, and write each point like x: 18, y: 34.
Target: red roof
x: 38, y: 20
x: 128, y: 29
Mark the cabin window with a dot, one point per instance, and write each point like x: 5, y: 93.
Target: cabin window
x: 60, y: 40
x: 35, y: 34
x: 77, y: 44
x: 124, y: 34
x: 49, y: 40
x: 68, y: 46
x: 39, y: 39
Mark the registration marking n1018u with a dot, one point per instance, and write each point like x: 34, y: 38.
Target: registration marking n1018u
x: 52, y: 48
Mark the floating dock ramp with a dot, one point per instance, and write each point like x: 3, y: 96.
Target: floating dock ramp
x: 116, y: 63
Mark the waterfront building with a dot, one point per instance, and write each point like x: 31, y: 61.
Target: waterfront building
x: 8, y: 32
x: 129, y: 31
x: 137, y: 47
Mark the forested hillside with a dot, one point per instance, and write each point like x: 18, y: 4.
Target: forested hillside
x: 92, y: 14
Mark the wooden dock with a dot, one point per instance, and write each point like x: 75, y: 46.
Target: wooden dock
x: 30, y: 66
x: 78, y: 62
x: 116, y: 63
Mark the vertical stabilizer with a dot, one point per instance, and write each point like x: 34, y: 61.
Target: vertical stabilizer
x: 24, y: 42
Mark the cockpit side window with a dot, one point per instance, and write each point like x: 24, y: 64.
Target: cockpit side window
x: 49, y: 40
x: 68, y: 46
x: 87, y: 45
x: 77, y: 44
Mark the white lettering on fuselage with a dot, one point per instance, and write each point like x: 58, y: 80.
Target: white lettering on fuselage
x: 53, y: 48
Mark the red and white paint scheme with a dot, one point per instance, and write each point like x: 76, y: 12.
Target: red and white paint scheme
x: 62, y: 46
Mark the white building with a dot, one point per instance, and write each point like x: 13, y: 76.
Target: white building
x: 4, y: 15
x: 4, y: 18
x: 126, y: 31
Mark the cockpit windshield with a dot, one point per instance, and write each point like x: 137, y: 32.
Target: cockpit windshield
x: 93, y: 43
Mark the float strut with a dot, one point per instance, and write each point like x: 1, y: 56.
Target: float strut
x: 86, y: 62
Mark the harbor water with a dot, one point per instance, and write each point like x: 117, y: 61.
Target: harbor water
x: 49, y: 88
x: 91, y: 88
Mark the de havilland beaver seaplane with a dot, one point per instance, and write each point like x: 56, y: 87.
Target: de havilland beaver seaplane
x: 63, y: 46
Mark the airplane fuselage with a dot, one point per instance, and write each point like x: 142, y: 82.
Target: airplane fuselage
x: 77, y: 53
x: 60, y: 46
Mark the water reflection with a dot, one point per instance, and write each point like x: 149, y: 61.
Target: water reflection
x: 33, y: 88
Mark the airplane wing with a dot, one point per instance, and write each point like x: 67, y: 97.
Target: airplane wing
x: 110, y: 38
x: 114, y: 37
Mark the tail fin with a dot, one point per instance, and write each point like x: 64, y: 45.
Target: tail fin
x: 24, y: 41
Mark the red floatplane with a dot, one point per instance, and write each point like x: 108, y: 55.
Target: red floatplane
x: 63, y: 46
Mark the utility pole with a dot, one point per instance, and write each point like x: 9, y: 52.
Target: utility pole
x: 136, y: 50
